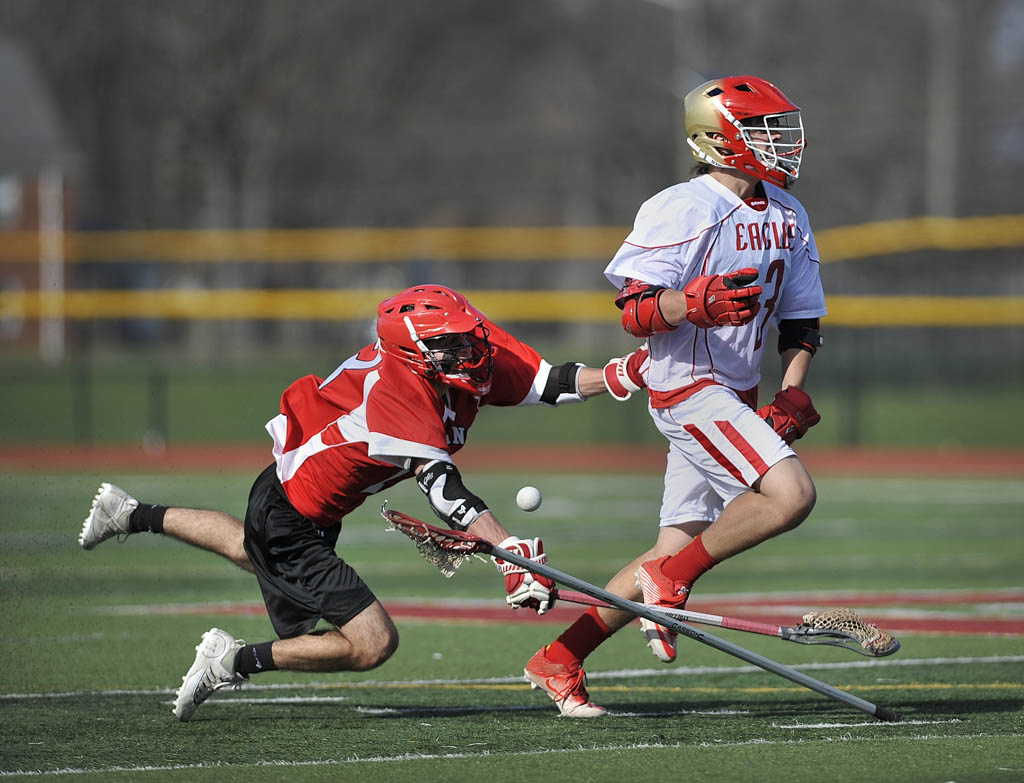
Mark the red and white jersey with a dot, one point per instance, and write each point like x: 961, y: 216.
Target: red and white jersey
x: 700, y: 227
x: 341, y: 439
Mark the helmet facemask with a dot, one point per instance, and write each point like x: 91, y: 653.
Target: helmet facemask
x: 463, y: 360
x: 777, y: 141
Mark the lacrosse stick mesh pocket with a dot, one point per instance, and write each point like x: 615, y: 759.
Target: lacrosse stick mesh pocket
x: 871, y: 637
x: 446, y: 561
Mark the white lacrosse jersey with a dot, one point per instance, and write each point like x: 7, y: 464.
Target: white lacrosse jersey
x: 700, y: 227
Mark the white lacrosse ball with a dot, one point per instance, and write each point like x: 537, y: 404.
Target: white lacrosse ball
x: 528, y: 498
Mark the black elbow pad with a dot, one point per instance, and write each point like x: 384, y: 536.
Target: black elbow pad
x: 800, y: 333
x: 562, y: 384
x: 454, y: 505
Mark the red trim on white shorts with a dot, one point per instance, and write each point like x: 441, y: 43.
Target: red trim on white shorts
x: 743, y: 447
x: 712, y: 449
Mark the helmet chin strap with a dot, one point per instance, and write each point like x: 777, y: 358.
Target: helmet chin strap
x: 415, y: 337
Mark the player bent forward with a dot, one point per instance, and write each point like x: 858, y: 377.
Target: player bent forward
x: 709, y: 265
x: 399, y: 408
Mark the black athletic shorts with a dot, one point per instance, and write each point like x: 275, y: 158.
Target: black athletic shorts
x: 301, y: 577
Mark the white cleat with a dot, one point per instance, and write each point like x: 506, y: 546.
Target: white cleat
x: 213, y: 669
x: 108, y: 516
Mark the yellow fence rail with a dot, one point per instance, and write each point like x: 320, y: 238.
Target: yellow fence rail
x: 540, y: 306
x: 524, y: 243
x: 519, y: 244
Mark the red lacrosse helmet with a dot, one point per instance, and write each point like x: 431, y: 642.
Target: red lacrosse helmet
x: 762, y: 129
x: 439, y: 335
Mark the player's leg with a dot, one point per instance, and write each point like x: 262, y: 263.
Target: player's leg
x: 363, y: 643
x: 779, y: 501
x: 671, y: 538
x: 557, y: 667
x: 116, y: 513
x: 222, y: 661
x: 765, y: 489
x: 687, y: 496
x: 214, y: 531
x: 303, y: 581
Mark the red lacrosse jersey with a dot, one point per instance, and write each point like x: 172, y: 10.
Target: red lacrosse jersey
x: 341, y: 439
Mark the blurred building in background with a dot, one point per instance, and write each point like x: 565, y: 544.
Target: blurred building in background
x: 197, y: 118
x: 38, y: 168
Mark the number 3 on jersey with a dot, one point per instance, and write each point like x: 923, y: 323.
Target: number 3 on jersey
x: 778, y: 266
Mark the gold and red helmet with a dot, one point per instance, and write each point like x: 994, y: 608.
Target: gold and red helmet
x: 758, y: 129
x: 439, y: 335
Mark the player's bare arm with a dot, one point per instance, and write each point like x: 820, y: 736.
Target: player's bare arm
x: 796, y: 365
x: 591, y: 382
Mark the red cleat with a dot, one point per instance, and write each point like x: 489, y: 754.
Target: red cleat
x: 659, y: 590
x: 566, y: 685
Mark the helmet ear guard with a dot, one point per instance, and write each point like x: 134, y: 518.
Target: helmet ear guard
x: 748, y: 124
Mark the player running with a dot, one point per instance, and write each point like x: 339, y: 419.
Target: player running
x: 711, y: 263
x: 399, y: 408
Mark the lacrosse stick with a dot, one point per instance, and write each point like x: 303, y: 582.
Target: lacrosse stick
x: 838, y: 627
x: 453, y: 546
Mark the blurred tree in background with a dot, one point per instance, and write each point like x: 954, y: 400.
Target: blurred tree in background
x: 251, y: 113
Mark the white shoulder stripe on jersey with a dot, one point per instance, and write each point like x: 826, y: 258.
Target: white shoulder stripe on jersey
x: 355, y: 363
x: 352, y: 426
x: 399, y: 452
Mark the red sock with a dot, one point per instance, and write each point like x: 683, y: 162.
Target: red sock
x: 579, y: 639
x: 688, y: 563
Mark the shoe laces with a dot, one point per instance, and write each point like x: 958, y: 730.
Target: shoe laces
x: 575, y: 681
x: 211, y: 683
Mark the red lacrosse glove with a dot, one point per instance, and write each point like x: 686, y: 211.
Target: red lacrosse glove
x: 722, y: 300
x: 790, y: 414
x: 627, y: 374
x: 526, y: 589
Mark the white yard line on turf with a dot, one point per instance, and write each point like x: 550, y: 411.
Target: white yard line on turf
x: 524, y: 708
x: 487, y: 754
x: 678, y: 671
x: 870, y: 723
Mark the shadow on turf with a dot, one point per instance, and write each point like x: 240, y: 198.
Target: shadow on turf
x: 781, y: 710
x: 938, y: 709
x: 793, y: 710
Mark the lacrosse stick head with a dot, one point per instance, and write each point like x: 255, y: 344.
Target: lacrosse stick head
x: 444, y: 549
x: 847, y: 624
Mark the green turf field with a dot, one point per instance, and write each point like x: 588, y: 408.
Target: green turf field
x: 89, y: 664
x: 120, y: 400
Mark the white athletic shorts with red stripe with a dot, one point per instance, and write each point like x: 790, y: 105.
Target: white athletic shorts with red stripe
x: 718, y: 448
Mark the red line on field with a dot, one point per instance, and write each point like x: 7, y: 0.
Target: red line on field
x: 598, y: 458
x: 923, y: 598
x: 565, y: 613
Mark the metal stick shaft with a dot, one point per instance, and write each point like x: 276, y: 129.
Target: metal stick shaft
x: 641, y: 610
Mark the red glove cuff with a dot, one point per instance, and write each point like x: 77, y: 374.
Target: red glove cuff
x: 627, y: 374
